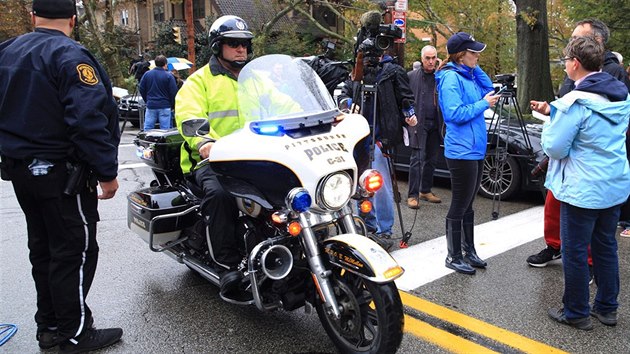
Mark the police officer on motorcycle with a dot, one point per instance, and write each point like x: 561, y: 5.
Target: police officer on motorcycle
x: 212, y: 92
x: 59, y: 125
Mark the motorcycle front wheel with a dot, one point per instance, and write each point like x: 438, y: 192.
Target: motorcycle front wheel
x: 372, y: 316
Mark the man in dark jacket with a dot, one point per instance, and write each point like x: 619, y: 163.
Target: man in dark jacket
x: 584, y: 28
x: 158, y: 89
x: 57, y: 118
x: 392, y: 94
x: 424, y: 138
x: 600, y: 31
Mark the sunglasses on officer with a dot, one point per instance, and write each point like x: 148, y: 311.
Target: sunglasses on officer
x: 235, y: 42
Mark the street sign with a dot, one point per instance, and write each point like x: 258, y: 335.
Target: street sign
x: 399, y: 18
x: 401, y: 5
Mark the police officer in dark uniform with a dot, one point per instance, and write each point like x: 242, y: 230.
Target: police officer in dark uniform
x: 59, y: 139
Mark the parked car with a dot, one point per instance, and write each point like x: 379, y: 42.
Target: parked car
x: 508, y: 163
x: 128, y: 109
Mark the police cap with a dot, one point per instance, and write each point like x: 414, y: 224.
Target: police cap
x: 54, y: 8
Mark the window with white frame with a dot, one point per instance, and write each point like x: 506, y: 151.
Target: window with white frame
x: 124, y: 17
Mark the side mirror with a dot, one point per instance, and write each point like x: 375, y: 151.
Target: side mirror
x: 195, y: 127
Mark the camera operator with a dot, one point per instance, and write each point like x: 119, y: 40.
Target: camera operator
x: 392, y: 94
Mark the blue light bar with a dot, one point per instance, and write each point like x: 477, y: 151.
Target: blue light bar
x: 269, y: 129
x: 301, y: 201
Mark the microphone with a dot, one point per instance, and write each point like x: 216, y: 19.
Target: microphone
x: 371, y: 21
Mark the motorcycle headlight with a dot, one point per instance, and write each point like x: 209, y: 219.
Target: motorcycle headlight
x: 334, y: 191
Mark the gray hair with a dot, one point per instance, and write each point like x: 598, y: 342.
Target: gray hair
x: 416, y: 65
x: 425, y: 48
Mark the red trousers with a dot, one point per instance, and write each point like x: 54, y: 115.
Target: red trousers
x: 552, y: 224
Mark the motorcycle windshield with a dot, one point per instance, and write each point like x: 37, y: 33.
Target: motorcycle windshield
x: 279, y: 87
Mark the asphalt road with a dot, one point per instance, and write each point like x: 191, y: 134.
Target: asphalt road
x: 165, y: 308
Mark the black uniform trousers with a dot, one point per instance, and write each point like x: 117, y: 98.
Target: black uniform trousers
x: 220, y: 215
x: 62, y: 244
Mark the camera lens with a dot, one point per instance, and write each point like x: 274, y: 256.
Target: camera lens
x: 383, y: 42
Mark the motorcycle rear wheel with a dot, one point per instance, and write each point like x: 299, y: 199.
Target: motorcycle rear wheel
x: 372, y: 317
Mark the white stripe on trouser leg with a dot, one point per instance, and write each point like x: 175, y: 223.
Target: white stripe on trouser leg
x: 83, y: 255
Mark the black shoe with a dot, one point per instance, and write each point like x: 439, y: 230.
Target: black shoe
x: 382, y: 240
x: 557, y: 315
x: 459, y: 266
x: 543, y: 257
x: 91, y: 339
x: 231, y: 290
x: 47, y: 338
x: 609, y: 319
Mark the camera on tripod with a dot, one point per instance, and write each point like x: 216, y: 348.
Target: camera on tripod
x: 506, y: 81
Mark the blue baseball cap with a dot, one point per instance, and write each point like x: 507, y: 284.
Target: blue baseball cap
x: 462, y: 41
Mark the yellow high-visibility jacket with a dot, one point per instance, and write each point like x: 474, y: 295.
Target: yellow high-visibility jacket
x: 210, y: 92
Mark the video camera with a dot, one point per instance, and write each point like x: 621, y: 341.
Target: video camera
x: 506, y: 80
x: 375, y: 37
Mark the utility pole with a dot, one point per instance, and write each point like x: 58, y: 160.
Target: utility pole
x: 190, y: 34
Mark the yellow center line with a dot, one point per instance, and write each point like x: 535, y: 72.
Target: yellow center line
x: 498, y: 334
x: 442, y: 338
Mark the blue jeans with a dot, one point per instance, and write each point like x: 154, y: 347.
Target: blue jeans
x: 162, y: 115
x: 381, y: 218
x: 423, y: 160
x: 578, y: 228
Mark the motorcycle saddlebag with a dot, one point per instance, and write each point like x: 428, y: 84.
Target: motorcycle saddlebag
x: 159, y: 148
x: 145, y: 204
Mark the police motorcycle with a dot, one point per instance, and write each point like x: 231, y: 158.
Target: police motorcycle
x: 292, y: 173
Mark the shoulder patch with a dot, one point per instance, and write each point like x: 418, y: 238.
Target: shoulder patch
x: 87, y: 74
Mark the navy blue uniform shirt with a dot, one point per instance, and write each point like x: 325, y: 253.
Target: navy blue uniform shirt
x: 56, y: 103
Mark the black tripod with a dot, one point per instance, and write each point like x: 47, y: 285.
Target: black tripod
x: 369, y: 92
x: 134, y: 96
x: 500, y: 133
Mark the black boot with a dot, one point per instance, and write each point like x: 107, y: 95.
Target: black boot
x: 454, y: 260
x: 468, y: 242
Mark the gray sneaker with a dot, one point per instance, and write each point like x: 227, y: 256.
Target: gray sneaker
x: 609, y: 319
x: 557, y: 314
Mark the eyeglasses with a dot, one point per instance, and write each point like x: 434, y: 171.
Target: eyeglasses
x: 234, y: 43
x: 564, y: 60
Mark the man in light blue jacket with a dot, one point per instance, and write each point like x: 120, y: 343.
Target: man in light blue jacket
x: 589, y: 174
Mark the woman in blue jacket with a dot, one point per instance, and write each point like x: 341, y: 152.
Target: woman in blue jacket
x: 465, y: 92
